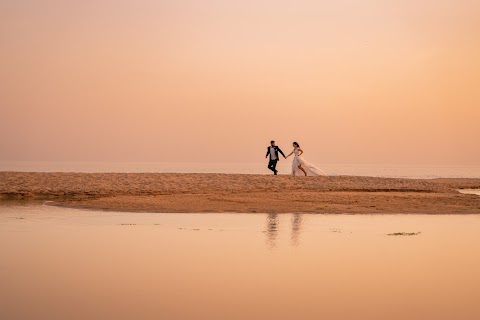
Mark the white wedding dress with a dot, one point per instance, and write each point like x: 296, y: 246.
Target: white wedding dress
x: 311, y: 169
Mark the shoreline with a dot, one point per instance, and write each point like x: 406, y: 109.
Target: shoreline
x: 242, y: 193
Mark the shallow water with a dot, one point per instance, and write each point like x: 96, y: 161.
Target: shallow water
x: 470, y: 191
x: 58, y: 263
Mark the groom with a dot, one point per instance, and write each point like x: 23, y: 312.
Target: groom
x: 273, y: 151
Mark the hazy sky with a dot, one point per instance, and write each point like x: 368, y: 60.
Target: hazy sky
x: 359, y: 82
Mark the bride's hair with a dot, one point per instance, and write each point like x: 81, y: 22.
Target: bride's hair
x: 296, y: 143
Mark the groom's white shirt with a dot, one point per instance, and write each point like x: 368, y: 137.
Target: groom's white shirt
x: 272, y: 153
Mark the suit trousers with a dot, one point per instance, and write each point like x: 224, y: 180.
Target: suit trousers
x: 272, y: 165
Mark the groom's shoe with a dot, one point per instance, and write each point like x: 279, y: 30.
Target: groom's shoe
x: 275, y: 172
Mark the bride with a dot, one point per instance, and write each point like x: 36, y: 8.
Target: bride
x: 299, y: 164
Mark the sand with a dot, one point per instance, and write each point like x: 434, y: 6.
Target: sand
x: 161, y: 192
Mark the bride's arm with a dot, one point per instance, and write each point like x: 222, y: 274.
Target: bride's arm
x: 289, y: 155
x: 301, y: 152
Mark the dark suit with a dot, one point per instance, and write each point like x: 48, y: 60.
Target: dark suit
x: 272, y: 164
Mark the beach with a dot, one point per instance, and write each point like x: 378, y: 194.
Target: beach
x: 242, y: 193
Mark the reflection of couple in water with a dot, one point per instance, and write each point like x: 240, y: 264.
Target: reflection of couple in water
x: 298, y: 164
x: 272, y: 229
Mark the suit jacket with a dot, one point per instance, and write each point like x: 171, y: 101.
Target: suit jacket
x: 277, y: 150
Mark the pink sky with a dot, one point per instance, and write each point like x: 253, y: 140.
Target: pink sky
x: 367, y: 82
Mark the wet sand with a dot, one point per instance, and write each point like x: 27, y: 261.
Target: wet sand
x: 162, y: 192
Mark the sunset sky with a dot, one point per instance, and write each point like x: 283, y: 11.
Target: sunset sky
x: 357, y: 82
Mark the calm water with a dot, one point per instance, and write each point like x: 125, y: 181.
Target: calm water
x: 58, y: 263
x: 257, y: 168
x: 470, y: 191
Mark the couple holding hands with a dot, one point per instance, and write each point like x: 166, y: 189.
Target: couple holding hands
x: 298, y: 164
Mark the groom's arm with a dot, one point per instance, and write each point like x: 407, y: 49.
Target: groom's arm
x: 280, y: 150
x: 268, y: 152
